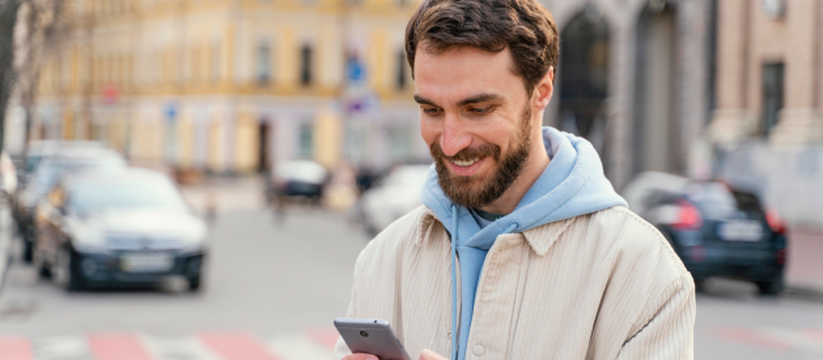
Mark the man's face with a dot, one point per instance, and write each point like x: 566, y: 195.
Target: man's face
x: 476, y: 118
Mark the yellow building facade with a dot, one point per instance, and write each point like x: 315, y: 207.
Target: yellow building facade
x: 235, y: 85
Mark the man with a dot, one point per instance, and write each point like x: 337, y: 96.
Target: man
x: 522, y: 249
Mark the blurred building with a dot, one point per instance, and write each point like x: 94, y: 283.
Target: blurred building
x: 767, y: 129
x: 770, y: 72
x: 635, y: 79
x: 234, y: 85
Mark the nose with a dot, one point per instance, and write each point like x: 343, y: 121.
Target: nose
x: 454, y: 137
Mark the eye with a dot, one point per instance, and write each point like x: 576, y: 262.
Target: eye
x: 479, y: 111
x: 431, y: 111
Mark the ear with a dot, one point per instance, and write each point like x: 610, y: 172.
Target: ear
x: 543, y: 90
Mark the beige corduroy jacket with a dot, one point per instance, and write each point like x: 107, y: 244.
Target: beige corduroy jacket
x: 605, y: 285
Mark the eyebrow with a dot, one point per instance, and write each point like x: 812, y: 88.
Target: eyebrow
x: 482, y: 97
x: 423, y: 101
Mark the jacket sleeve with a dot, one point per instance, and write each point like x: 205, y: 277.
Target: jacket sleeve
x: 669, y: 334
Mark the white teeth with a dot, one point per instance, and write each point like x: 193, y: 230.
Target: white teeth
x: 465, y: 163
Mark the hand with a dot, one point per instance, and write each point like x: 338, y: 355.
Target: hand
x: 430, y: 355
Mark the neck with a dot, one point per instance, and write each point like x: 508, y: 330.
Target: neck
x: 536, y: 163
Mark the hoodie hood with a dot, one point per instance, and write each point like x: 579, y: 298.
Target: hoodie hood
x: 572, y: 184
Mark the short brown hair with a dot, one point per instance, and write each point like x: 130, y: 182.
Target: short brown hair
x: 524, y: 26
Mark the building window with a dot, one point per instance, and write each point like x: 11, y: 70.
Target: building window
x: 305, y: 65
x: 306, y: 145
x: 772, y: 95
x: 263, y: 63
x: 402, y: 78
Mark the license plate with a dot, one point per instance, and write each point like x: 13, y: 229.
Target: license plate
x: 146, y: 262
x: 741, y: 230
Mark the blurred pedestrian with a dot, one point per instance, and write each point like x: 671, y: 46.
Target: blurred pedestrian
x: 522, y: 250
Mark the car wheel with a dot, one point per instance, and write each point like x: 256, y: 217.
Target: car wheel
x: 65, y: 272
x: 770, y: 288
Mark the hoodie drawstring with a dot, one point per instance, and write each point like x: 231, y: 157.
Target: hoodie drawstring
x: 454, y: 282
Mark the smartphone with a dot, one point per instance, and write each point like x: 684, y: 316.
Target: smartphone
x: 371, y: 336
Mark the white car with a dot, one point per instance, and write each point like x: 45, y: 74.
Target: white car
x: 392, y: 197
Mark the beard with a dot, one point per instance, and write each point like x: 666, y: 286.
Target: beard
x: 475, y: 191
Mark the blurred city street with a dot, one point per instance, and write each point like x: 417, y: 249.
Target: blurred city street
x: 259, y: 145
x: 272, y: 288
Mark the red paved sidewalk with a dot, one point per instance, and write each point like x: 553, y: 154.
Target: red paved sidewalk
x: 805, y: 262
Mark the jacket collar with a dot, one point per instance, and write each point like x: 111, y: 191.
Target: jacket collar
x: 540, y: 238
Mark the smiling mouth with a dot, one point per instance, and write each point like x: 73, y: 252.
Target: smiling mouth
x: 465, y: 163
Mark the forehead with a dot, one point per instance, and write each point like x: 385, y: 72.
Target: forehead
x: 461, y: 72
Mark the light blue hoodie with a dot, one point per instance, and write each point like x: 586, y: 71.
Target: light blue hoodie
x: 573, y: 184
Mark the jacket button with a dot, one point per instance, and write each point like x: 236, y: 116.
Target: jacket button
x: 478, y: 350
x: 449, y: 334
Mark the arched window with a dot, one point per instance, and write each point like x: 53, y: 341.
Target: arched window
x: 583, y: 78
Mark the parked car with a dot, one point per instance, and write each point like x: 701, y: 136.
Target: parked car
x: 43, y: 149
x: 118, y: 228
x: 717, y: 230
x: 46, y: 175
x: 394, y: 195
x: 297, y: 178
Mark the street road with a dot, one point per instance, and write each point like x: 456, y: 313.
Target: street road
x: 270, y: 288
x: 273, y: 289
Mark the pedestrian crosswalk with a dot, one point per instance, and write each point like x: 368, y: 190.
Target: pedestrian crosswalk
x: 310, y: 345
x: 207, y: 345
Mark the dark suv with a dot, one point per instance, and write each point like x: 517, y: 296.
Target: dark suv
x: 715, y: 229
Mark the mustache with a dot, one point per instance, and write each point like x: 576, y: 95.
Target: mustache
x: 465, y: 154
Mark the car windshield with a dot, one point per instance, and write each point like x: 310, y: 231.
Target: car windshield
x: 717, y: 201
x: 124, y: 193
x: 50, y: 172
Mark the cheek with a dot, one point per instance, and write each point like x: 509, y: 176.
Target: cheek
x: 500, y: 134
x: 429, y: 131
